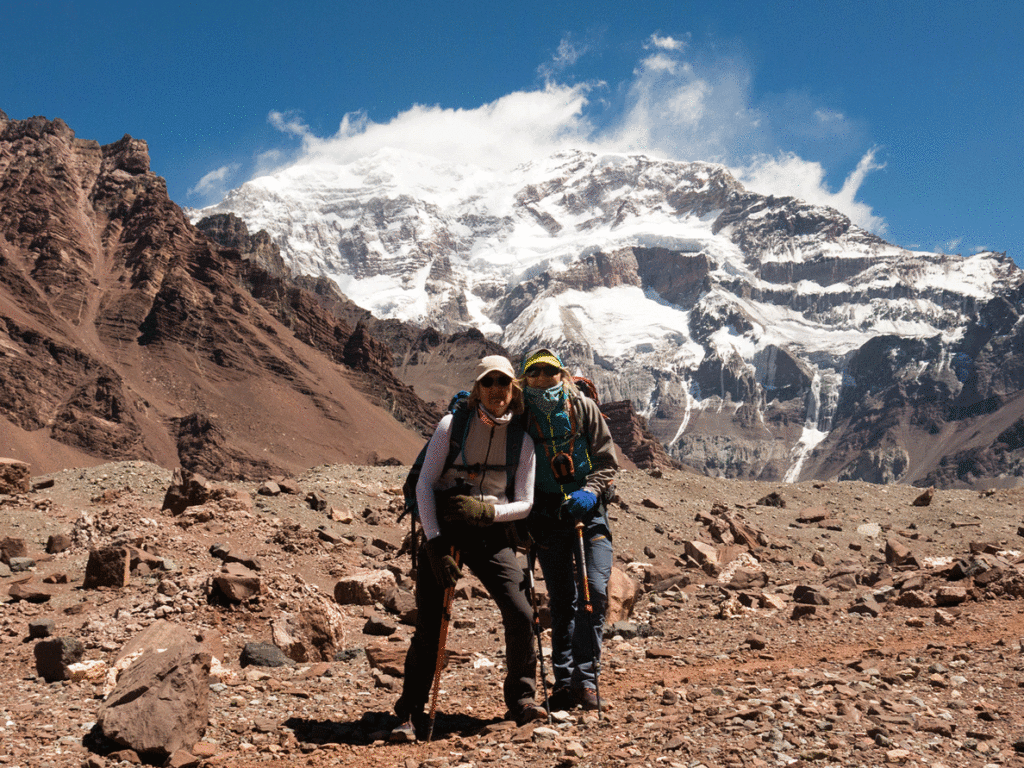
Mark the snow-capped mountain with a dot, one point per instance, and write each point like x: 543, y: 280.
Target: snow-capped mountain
x: 755, y: 333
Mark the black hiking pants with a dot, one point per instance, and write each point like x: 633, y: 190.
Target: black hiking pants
x: 493, y: 560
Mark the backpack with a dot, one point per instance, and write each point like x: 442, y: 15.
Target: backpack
x: 586, y: 386
x: 458, y: 406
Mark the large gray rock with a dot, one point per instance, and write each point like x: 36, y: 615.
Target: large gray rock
x: 263, y: 655
x: 160, y: 703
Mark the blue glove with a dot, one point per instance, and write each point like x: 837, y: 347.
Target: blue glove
x: 580, y: 502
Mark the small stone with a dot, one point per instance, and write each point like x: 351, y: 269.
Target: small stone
x: 39, y: 628
x: 21, y: 564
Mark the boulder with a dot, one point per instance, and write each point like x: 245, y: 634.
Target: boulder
x: 263, y: 655
x: 29, y: 592
x: 190, y: 489
x: 701, y: 552
x: 11, y: 548
x: 899, y: 555
x: 365, y: 587
x: 402, y: 603
x: 314, y: 631
x: 387, y: 658
x: 14, y: 476
x: 58, y: 542
x: 107, y: 567
x: 236, y: 583
x: 40, y: 628
x: 622, y: 594
x: 53, y: 657
x: 160, y: 703
x: 21, y: 564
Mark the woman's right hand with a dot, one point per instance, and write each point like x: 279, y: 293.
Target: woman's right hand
x: 442, y: 562
x: 469, y: 511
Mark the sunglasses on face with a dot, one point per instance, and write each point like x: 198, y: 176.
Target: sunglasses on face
x: 542, y: 370
x: 495, y: 381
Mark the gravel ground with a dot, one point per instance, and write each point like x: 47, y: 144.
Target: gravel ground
x: 711, y: 670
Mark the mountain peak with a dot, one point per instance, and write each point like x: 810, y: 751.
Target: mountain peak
x: 712, y: 309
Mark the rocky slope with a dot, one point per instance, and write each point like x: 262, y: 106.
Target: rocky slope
x: 840, y: 623
x: 125, y: 332
x: 760, y: 337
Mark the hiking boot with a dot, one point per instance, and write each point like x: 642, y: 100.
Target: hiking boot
x: 587, y: 698
x: 403, y: 734
x: 527, y: 714
x: 561, y: 699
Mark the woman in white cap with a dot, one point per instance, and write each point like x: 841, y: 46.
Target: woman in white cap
x: 575, y: 464
x: 477, y: 480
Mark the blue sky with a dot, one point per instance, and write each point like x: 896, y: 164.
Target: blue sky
x: 905, y: 115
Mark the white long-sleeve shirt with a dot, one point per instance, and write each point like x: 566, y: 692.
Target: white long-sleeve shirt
x: 484, y: 445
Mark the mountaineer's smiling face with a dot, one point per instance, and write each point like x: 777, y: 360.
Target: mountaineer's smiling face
x: 496, y: 392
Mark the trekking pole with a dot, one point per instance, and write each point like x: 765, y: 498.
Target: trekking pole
x: 442, y: 642
x: 530, y: 559
x: 589, y: 606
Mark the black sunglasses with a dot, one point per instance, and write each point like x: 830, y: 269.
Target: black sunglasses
x: 491, y: 381
x: 542, y: 370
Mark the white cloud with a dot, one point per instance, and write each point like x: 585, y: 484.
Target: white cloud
x: 678, y: 104
x: 666, y: 43
x: 215, y: 183
x: 516, y: 128
x: 288, y: 122
x: 569, y: 52
x: 787, y: 174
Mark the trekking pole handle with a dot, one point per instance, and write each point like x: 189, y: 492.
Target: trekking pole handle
x: 583, y: 569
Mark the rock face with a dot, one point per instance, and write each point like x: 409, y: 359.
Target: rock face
x: 127, y: 333
x: 759, y: 336
x: 631, y: 435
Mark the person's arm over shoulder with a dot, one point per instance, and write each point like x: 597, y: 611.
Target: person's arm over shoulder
x: 600, y: 444
x: 526, y: 472
x: 430, y: 473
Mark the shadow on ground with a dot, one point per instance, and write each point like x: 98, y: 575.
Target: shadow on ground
x: 376, y: 726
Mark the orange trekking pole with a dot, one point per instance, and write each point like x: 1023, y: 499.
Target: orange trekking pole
x: 589, y: 606
x: 442, y: 641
